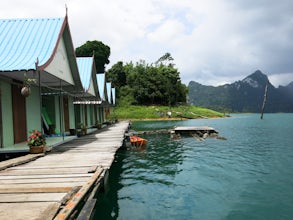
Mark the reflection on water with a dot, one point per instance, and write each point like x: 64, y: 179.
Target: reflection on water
x: 247, y: 176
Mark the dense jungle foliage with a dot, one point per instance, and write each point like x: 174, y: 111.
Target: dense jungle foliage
x: 139, y: 83
x: 148, y: 84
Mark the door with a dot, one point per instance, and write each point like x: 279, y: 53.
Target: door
x: 85, y: 115
x: 1, y: 128
x: 66, y: 113
x: 19, y: 115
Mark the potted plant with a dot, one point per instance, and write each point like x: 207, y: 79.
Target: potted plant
x: 36, y: 142
x: 98, y: 125
x: 26, y: 89
x: 83, y: 128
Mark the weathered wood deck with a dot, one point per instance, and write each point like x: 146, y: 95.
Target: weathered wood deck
x: 55, y: 183
x: 194, y: 129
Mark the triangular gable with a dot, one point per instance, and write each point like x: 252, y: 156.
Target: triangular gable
x: 109, y: 92
x: 85, y: 67
x: 42, y: 44
x: 101, y: 82
x: 113, y: 96
x: 62, y: 56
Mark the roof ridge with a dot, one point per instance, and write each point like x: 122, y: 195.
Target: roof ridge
x: 29, y: 18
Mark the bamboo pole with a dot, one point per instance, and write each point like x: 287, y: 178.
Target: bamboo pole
x: 264, y: 101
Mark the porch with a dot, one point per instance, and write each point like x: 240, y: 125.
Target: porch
x: 52, y: 141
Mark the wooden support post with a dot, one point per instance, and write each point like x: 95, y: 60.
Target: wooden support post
x: 264, y: 101
x: 88, y: 209
x: 77, y: 198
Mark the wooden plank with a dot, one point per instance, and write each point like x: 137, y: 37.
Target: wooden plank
x: 31, y: 197
x: 69, y: 160
x: 44, y: 176
x: 46, y: 171
x: 36, y: 190
x: 31, y: 186
x: 87, y: 210
x: 49, y: 212
x: 28, y: 167
x: 19, y: 160
x: 44, y: 180
x: 92, y: 169
x: 72, y: 204
x: 21, y: 211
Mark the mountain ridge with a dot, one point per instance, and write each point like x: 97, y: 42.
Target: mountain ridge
x: 245, y: 95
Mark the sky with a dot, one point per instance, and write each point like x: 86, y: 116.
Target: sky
x: 212, y: 42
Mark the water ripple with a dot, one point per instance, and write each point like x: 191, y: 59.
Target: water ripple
x: 248, y: 176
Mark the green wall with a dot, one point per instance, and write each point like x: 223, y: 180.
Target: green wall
x: 57, y: 114
x: 101, y: 114
x: 48, y: 102
x: 88, y: 112
x: 92, y: 112
x: 71, y: 112
x: 7, y: 114
x: 52, y: 104
x: 77, y: 115
x: 33, y: 111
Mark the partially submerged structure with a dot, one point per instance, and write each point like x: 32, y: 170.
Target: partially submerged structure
x: 200, y: 133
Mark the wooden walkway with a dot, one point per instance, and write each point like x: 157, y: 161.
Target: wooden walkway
x: 50, y: 187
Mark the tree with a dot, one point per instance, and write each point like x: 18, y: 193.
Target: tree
x: 117, y: 75
x: 146, y: 84
x: 165, y: 59
x: 100, y: 51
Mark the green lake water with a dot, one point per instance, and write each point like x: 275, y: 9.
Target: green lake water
x: 248, y: 176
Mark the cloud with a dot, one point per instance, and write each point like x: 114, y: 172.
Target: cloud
x: 212, y: 41
x: 281, y: 79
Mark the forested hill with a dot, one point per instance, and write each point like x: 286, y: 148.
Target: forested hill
x: 148, y: 84
x: 243, y: 96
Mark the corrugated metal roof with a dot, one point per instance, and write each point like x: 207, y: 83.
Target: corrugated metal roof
x: 85, y: 66
x: 109, y: 92
x: 101, y: 85
x: 23, y: 41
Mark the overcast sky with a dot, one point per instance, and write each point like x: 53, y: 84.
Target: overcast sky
x: 212, y: 41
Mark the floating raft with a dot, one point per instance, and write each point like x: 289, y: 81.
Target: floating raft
x: 199, y: 133
x: 202, y: 129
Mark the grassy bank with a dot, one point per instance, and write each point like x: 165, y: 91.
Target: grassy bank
x: 160, y: 112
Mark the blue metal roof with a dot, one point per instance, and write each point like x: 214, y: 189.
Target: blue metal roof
x: 23, y: 41
x: 101, y: 81
x: 85, y: 66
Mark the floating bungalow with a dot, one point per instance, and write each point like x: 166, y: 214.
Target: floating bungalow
x: 62, y: 92
x: 86, y: 104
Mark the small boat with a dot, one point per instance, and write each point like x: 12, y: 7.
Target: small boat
x: 137, y: 141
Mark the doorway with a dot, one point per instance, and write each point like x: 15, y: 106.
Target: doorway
x: 19, y: 115
x: 66, y: 113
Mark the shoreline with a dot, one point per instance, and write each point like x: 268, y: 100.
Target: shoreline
x: 168, y: 119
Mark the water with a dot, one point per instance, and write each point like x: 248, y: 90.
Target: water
x: 247, y: 176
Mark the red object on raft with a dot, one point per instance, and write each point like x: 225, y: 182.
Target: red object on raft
x: 137, y: 141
